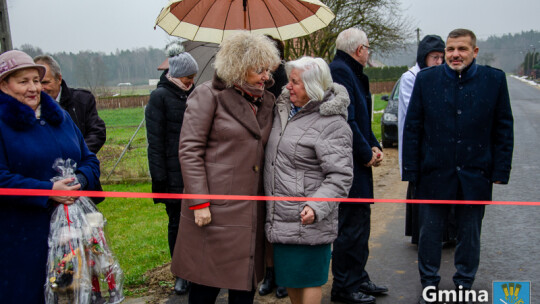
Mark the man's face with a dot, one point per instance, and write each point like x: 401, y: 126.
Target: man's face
x: 50, y: 84
x: 363, y: 55
x: 460, y: 52
x: 434, y: 58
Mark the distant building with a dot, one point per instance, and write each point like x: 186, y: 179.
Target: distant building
x: 153, y: 82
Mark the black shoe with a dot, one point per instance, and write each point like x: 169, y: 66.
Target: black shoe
x: 181, y: 286
x: 352, y: 298
x: 281, y: 292
x: 269, y: 282
x: 371, y: 289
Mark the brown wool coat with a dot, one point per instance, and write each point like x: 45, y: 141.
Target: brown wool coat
x: 222, y: 152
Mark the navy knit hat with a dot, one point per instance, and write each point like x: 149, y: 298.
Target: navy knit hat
x: 430, y: 43
x: 182, y: 65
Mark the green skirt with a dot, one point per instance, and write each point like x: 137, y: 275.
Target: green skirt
x: 300, y: 266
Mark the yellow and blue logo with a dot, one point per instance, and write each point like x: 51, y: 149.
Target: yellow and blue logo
x: 512, y: 292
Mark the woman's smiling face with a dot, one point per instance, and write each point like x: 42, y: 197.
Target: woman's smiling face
x: 258, y: 77
x: 296, y: 88
x: 25, y: 86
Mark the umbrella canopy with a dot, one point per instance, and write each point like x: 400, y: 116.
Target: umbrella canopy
x: 205, y: 54
x: 212, y: 20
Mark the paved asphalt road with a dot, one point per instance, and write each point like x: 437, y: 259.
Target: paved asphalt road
x: 510, y: 235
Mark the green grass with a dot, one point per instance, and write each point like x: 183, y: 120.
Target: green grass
x: 378, y: 105
x: 122, y: 117
x: 136, y: 232
x: 121, y: 125
x: 137, y: 228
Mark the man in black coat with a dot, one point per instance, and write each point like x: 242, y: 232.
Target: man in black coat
x: 350, y: 250
x: 458, y: 141
x: 81, y: 106
x: 79, y: 103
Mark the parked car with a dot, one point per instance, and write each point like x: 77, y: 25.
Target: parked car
x: 389, y: 120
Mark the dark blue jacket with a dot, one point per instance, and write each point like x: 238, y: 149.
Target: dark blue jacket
x: 28, y: 149
x: 350, y: 73
x: 458, y: 132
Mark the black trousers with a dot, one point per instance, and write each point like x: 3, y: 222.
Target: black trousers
x: 173, y: 211
x: 433, y: 218
x: 351, y: 250
x: 412, y: 222
x: 201, y: 294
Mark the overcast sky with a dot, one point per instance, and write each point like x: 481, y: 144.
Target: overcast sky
x: 108, y: 25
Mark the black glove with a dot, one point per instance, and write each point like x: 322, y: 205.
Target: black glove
x: 82, y: 180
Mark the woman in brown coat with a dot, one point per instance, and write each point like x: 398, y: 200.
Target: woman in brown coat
x: 226, y: 125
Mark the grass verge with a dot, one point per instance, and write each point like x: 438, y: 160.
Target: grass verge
x: 121, y: 126
x: 136, y: 232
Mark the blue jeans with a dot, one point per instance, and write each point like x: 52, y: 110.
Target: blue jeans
x: 433, y: 219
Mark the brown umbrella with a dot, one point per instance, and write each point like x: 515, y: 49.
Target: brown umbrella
x: 212, y: 20
x: 204, y: 53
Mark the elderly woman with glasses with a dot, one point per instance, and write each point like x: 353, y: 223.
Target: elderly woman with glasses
x: 34, y: 132
x: 309, y: 154
x: 226, y: 126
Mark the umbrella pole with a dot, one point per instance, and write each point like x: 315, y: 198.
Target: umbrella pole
x: 245, y: 14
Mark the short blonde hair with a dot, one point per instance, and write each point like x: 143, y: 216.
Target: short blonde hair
x: 241, y: 52
x: 315, y: 75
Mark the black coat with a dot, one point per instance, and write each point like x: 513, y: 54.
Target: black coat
x: 458, y: 133
x: 349, y: 73
x: 81, y: 106
x: 164, y: 116
x: 280, y: 80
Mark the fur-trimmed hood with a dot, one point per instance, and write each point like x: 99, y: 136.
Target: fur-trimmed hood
x: 20, y: 116
x: 335, y: 101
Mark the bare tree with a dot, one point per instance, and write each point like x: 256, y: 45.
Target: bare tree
x: 382, y: 21
x: 31, y: 50
x: 90, y: 71
x: 486, y: 58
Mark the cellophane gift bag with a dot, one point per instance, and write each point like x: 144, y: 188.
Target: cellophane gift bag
x: 80, y: 263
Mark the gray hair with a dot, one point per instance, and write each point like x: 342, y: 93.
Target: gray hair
x: 51, y: 63
x: 349, y: 40
x: 316, y: 75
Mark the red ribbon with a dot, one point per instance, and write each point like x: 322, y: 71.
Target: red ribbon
x: 41, y: 192
x: 69, y: 227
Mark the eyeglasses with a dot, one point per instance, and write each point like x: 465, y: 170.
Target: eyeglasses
x: 367, y: 48
x: 436, y: 57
